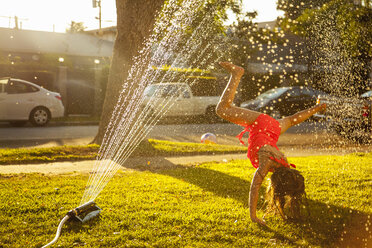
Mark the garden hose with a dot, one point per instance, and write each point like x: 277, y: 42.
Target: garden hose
x: 82, y: 214
x: 58, y: 231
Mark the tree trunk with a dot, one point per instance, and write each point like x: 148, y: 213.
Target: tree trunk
x: 135, y: 20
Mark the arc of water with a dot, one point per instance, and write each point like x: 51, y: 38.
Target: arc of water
x: 107, y: 145
x: 133, y: 138
x: 144, y: 134
x: 116, y: 111
x: 115, y: 165
x: 160, y: 103
x: 148, y: 126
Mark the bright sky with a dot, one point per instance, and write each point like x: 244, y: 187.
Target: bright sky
x: 56, y: 15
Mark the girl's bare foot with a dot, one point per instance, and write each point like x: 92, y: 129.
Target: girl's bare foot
x: 233, y: 69
x: 324, y: 106
x: 320, y: 107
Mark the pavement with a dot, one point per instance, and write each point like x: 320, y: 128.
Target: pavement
x: 85, y: 167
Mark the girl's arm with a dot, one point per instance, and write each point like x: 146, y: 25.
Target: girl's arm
x: 299, y: 117
x: 257, y: 180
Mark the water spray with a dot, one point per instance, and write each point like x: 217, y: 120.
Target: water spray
x: 121, y: 137
x: 80, y: 214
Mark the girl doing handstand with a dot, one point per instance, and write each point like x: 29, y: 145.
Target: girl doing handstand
x: 263, y: 153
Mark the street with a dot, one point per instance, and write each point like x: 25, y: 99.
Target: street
x: 305, y: 139
x: 176, y: 132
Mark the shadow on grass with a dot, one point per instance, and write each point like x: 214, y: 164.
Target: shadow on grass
x: 76, y: 226
x: 322, y: 227
x: 219, y: 183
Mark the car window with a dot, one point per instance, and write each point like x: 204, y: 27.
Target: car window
x: 3, y: 83
x: 16, y: 87
x: 149, y: 90
x: 170, y: 90
x: 294, y: 92
x: 318, y: 92
x: 161, y: 90
x: 307, y: 92
x: 208, y: 86
x: 273, y: 93
x: 367, y: 94
x: 185, y: 92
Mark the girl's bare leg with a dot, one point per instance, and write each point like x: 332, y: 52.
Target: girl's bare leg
x: 225, y: 109
x: 299, y: 117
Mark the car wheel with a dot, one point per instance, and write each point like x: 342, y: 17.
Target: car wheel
x: 39, y: 116
x: 18, y: 123
x: 211, y: 115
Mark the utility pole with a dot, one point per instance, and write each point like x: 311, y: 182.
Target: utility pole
x: 97, y: 3
x: 17, y: 21
x: 99, y: 15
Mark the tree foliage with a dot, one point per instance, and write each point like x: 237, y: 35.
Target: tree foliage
x: 246, y: 38
x: 76, y: 27
x: 206, y: 27
x: 339, y: 40
x: 294, y: 8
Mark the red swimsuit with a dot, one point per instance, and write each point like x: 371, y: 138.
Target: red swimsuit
x: 264, y: 131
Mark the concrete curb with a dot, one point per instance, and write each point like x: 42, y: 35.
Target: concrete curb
x: 150, y: 163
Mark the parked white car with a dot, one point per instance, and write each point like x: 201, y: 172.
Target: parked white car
x: 22, y: 101
x: 177, y: 99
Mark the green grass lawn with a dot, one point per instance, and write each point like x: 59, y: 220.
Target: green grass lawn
x: 185, y: 206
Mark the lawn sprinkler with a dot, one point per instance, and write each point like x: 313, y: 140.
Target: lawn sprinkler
x: 85, y: 212
x: 80, y: 214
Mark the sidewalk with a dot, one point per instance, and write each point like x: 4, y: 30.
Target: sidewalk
x: 86, y: 166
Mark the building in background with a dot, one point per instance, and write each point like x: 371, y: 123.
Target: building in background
x: 69, y: 63
x: 108, y: 33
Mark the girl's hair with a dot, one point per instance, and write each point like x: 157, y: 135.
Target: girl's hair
x: 286, y: 193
